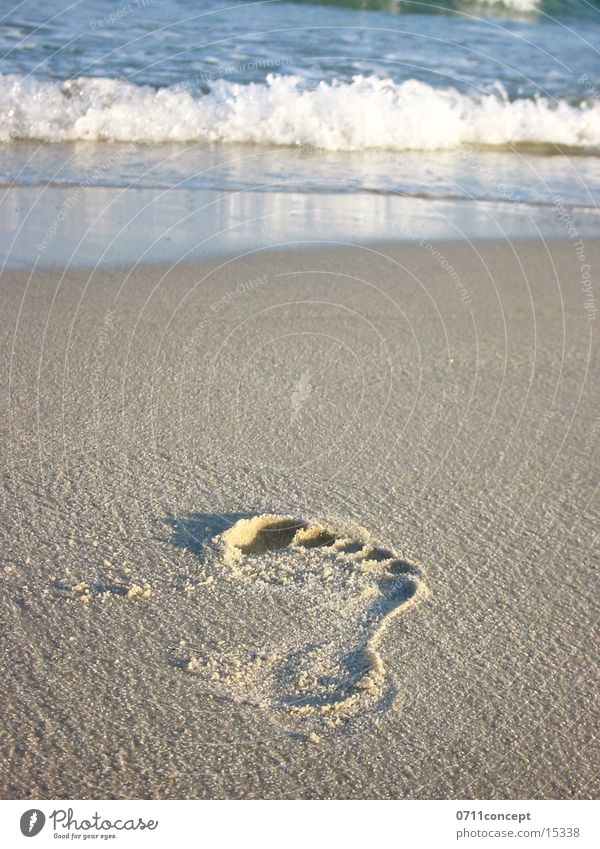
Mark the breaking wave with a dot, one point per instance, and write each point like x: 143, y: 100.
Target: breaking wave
x: 367, y: 113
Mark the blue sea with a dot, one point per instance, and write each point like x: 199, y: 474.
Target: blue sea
x: 233, y: 122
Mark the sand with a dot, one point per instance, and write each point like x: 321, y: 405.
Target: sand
x: 304, y: 524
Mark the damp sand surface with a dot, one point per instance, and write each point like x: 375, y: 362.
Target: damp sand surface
x: 305, y: 523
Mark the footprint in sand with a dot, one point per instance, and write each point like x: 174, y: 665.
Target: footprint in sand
x: 313, y: 604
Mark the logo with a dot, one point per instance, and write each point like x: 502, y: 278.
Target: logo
x: 32, y: 822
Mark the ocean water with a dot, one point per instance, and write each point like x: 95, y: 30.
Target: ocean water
x: 481, y: 101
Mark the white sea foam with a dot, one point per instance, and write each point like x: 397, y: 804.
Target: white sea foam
x: 366, y: 113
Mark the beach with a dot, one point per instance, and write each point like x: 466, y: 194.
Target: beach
x: 426, y: 411
x: 299, y: 441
